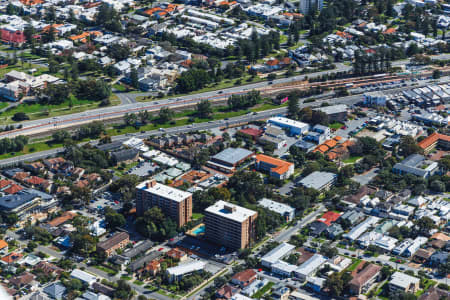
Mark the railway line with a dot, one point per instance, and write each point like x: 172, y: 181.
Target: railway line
x: 178, y: 103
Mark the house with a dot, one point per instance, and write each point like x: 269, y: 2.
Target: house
x: 364, y: 276
x: 317, y: 227
x: 177, y: 254
x: 422, y: 256
x: 117, y: 241
x: 434, y: 293
x: 404, y: 283
x: 276, y: 168
x: 244, y: 278
x: 226, y: 292
x: 3, y: 247
x: 22, y: 280
x: 65, y: 217
x: 334, y: 231
x: 48, y: 268
x: 438, y: 258
x: 280, y: 292
x: 55, y: 291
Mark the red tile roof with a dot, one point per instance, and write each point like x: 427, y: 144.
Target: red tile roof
x: 252, y: 132
x: 14, y: 188
x: 12, y: 257
x: 4, y: 183
x: 431, y: 139
x: 329, y: 217
x: 280, y: 166
x: 35, y: 180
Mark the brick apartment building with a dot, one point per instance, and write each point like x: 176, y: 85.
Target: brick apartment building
x: 118, y: 241
x: 175, y: 203
x: 230, y: 225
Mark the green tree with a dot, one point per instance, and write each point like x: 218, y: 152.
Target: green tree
x: 134, y: 78
x: 293, y: 108
x: 204, y: 109
x: 114, y: 219
x: 165, y: 115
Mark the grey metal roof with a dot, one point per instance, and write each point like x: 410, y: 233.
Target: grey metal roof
x: 10, y: 202
x: 232, y: 155
x: 317, y: 180
x: 334, y: 109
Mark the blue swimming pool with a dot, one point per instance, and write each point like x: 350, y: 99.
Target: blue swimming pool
x: 199, y: 230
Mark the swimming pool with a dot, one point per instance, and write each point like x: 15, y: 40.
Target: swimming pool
x: 199, y: 230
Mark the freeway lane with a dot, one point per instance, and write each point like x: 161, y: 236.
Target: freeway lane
x: 129, y: 105
x: 349, y: 100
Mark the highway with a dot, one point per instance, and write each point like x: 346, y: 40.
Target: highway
x: 129, y: 103
x: 348, y: 100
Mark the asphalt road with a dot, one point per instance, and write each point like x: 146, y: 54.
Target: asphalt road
x: 285, y: 236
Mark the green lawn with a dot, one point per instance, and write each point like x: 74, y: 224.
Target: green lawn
x: 25, y: 68
x: 39, y: 111
x: 124, y: 277
x: 109, y: 271
x: 261, y: 292
x: 196, y: 216
x: 227, y: 83
x: 336, y: 125
x: 353, y: 266
x: 138, y: 282
x: 119, y: 87
x: 352, y: 160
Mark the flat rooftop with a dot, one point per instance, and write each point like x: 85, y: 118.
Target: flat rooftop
x: 164, y: 191
x: 288, y: 122
x: 232, y: 155
x: 230, y: 211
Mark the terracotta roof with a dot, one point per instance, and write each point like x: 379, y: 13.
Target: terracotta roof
x: 82, y: 183
x: 280, y: 166
x: 20, y: 176
x: 35, y: 180
x: 31, y: 2
x: 48, y: 268
x: 330, y: 143
x: 272, y: 62
x: 176, y: 253
x: 329, y: 217
x: 12, y: 257
x: 3, y: 244
x: 252, y: 131
x: 14, y: 188
x: 431, y: 139
x: 22, y: 280
x: 322, y: 148
x: 440, y: 236
x: 363, y: 273
x: 390, y: 31
x: 66, y: 216
x: 245, y: 276
x: 55, y: 26
x: 4, y: 183
x: 337, y: 138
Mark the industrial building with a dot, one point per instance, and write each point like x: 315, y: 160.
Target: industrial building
x: 294, y: 127
x: 321, y: 181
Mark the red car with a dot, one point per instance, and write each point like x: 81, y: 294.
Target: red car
x: 160, y: 249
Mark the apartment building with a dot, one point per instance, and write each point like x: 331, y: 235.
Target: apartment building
x: 364, y: 277
x: 230, y: 225
x: 118, y: 241
x: 277, y: 168
x: 173, y: 202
